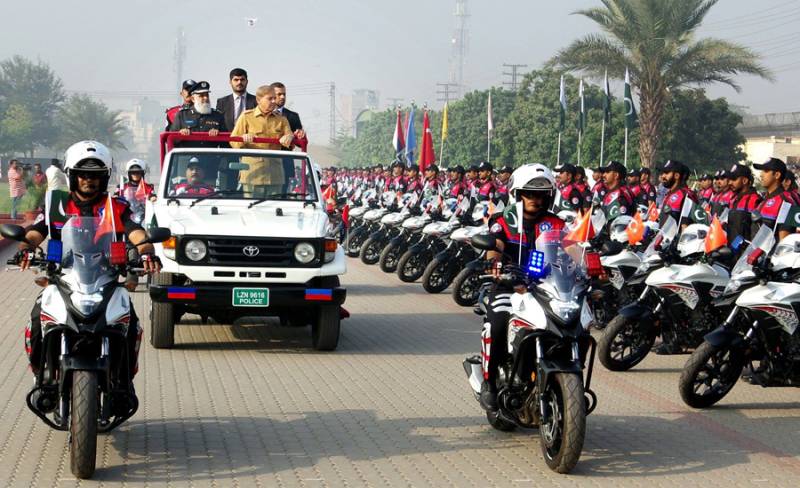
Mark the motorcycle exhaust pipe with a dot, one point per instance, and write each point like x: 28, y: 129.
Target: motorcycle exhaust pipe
x: 474, y: 370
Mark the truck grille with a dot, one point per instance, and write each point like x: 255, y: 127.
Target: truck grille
x: 241, y: 251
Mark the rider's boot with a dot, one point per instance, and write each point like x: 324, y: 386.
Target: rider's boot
x: 488, y: 397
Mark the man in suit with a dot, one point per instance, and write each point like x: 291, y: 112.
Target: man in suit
x: 237, y: 102
x: 294, y: 119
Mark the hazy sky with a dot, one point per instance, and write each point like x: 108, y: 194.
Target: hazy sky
x: 400, y: 48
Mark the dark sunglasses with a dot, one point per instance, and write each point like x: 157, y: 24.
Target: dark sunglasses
x: 88, y: 176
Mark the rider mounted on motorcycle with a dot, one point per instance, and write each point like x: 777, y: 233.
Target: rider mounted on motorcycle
x: 535, y: 187
x: 88, y: 166
x: 744, y: 203
x: 397, y: 181
x: 773, y: 172
x: 674, y: 175
x: 570, y: 195
x: 501, y: 182
x: 486, y: 190
x: 413, y: 182
x: 136, y: 169
x: 455, y: 184
x: 618, y: 199
x: 431, y: 188
x: 706, y: 189
x: 648, y: 192
x: 723, y: 194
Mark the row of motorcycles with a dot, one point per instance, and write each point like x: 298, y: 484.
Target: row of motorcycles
x: 420, y: 240
x: 733, y: 309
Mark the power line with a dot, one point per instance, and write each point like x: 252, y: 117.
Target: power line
x: 394, y: 102
x: 445, y: 91
x: 749, y: 17
x: 751, y: 25
x: 513, y: 74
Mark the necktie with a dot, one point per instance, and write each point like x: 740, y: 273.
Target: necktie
x: 238, y: 110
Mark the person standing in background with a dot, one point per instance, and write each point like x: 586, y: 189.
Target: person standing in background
x: 56, y: 179
x: 233, y: 105
x: 16, y: 185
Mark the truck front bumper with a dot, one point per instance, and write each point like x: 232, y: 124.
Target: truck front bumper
x: 216, y: 296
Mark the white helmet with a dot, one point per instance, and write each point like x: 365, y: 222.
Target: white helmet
x: 692, y: 240
x: 134, y: 163
x: 88, y: 156
x: 619, y: 227
x: 787, y: 253
x: 532, y: 177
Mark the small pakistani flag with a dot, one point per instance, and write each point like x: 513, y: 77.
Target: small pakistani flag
x: 607, y: 100
x: 55, y: 215
x: 582, y: 115
x: 562, y: 100
x: 631, y: 120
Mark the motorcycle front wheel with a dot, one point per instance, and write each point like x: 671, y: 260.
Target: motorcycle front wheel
x: 436, y: 277
x: 389, y: 257
x: 83, y: 424
x: 625, y: 343
x: 710, y: 374
x: 411, y: 266
x: 355, y: 239
x: 371, y: 251
x: 467, y: 287
x: 562, y: 434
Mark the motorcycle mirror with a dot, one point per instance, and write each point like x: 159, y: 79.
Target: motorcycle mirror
x: 722, y: 253
x: 13, y: 232
x: 158, y: 234
x: 484, y: 242
x: 754, y: 256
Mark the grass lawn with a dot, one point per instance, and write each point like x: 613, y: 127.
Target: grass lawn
x: 26, y: 204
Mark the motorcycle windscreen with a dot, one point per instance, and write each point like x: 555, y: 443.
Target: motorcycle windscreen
x: 137, y: 201
x: 87, y: 244
x: 764, y: 240
x: 562, y: 263
x: 666, y: 236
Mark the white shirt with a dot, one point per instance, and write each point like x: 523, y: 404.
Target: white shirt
x: 56, y: 179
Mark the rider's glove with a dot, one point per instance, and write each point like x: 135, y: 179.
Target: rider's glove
x: 150, y: 258
x: 23, y: 255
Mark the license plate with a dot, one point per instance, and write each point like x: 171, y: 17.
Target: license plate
x: 251, y: 297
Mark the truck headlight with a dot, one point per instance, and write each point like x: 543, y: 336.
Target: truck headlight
x: 304, y: 252
x: 195, y: 250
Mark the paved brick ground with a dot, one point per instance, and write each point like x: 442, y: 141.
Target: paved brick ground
x: 253, y: 405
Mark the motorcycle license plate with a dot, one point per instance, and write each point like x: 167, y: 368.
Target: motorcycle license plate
x: 251, y: 297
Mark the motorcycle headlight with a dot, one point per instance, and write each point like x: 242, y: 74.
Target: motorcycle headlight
x: 196, y: 250
x: 86, y: 304
x: 304, y: 252
x: 566, y: 311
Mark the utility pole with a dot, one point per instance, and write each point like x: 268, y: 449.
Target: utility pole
x: 333, y: 112
x: 179, y: 56
x: 394, y: 102
x: 445, y: 91
x: 513, y: 74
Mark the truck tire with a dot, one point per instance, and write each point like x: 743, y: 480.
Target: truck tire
x: 325, y: 329
x: 162, y: 318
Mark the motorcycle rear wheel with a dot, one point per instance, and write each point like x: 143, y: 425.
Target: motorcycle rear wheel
x: 370, y: 251
x: 499, y: 423
x: 561, y: 438
x: 710, y: 374
x: 83, y: 424
x: 620, y: 335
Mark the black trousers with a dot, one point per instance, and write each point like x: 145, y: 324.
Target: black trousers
x: 34, y: 344
x: 495, y: 332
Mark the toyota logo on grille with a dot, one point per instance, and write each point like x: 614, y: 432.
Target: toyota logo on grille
x: 251, y: 251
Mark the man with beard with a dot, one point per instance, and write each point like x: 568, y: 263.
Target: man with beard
x: 743, y: 204
x: 723, y: 194
x: 673, y: 178
x: 186, y: 95
x: 599, y: 189
x: 618, y: 199
x: 293, y: 117
x: 569, y: 197
x: 200, y: 117
x: 233, y: 105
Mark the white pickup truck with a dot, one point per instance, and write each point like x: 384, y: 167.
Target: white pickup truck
x: 249, y: 238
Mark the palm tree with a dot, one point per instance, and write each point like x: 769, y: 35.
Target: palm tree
x: 655, y: 40
x: 82, y: 118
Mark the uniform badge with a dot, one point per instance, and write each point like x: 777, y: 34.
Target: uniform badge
x: 674, y: 198
x: 770, y: 202
x: 496, y: 228
x: 575, y: 200
x: 545, y: 226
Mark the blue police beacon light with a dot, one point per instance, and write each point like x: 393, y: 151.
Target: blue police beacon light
x: 55, y: 248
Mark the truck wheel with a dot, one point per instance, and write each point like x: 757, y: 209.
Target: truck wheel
x: 325, y: 329
x: 162, y: 318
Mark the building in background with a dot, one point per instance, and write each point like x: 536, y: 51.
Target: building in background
x: 772, y: 135
x: 353, y: 106
x: 145, y: 122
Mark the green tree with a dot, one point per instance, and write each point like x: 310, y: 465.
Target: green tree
x: 655, y: 40
x: 82, y: 118
x: 16, y: 130
x: 35, y: 87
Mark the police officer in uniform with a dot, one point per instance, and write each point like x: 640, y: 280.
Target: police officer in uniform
x: 201, y: 116
x: 673, y: 178
x: 186, y: 95
x: 744, y: 203
x: 570, y: 196
x: 618, y: 199
x: 773, y: 172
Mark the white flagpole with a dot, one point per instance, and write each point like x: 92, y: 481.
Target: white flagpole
x: 558, y: 158
x: 579, y: 148
x: 625, y: 161
x: 602, y: 140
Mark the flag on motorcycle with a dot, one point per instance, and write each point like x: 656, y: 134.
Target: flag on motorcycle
x: 694, y: 212
x: 141, y: 190
x: 788, y: 213
x: 54, y: 203
x: 635, y: 229
x: 652, y: 212
x: 346, y: 216
x: 716, y: 237
x: 426, y: 155
x: 583, y: 231
x: 398, y: 141
x: 107, y: 221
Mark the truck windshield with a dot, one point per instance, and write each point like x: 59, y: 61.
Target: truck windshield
x: 240, y: 175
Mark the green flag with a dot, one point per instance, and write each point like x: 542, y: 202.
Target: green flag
x: 562, y: 100
x: 582, y: 115
x: 607, y: 100
x: 55, y: 215
x: 631, y: 120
